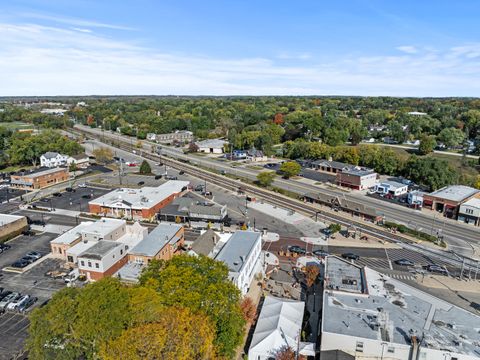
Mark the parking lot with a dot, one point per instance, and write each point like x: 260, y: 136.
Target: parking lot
x: 77, y: 200
x: 6, y: 194
x: 33, y: 282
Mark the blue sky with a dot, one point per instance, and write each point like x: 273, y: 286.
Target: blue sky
x: 233, y: 47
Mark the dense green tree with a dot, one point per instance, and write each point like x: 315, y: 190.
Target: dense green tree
x: 431, y: 172
x: 290, y: 168
x: 265, y: 178
x: 451, y: 137
x: 145, y: 168
x: 200, y: 284
x: 427, y: 144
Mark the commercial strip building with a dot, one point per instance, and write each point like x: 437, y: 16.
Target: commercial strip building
x: 356, y: 208
x: 241, y: 254
x: 368, y: 315
x: 39, y: 179
x: 142, y: 203
x: 180, y: 136
x: 11, y: 226
x: 391, y: 188
x: 447, y: 200
x: 71, y: 244
x: 357, y: 178
x: 469, y: 212
x: 190, y: 208
x: 211, y: 146
x: 279, y: 324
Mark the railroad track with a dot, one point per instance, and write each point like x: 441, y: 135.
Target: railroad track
x: 274, y: 198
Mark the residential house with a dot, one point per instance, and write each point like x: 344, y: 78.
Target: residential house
x: 205, y: 243
x: 255, y: 155
x: 415, y: 198
x: 81, y: 161
x: 241, y: 254
x: 53, y: 159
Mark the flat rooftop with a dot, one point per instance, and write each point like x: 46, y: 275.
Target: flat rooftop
x: 156, y: 240
x: 143, y: 198
x: 7, y: 218
x: 475, y: 202
x: 40, y: 172
x: 104, y: 226
x: 358, y: 171
x: 394, y: 184
x: 71, y: 235
x: 81, y: 247
x: 393, y: 312
x: 100, y: 249
x: 237, y: 249
x: 129, y: 272
x: 455, y: 192
x: 344, y: 276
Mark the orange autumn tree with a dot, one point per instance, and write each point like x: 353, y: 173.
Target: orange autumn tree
x: 278, y: 120
x: 249, y: 310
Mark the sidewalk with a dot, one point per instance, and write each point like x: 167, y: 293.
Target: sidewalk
x: 448, y: 283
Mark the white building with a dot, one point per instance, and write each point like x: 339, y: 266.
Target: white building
x: 211, y: 146
x: 469, y: 212
x: 392, y: 188
x: 53, y: 159
x: 279, y: 325
x: 181, y: 136
x: 81, y: 161
x: 241, y: 253
x: 102, y: 259
x: 368, y: 315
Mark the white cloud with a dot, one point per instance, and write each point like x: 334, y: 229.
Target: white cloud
x: 82, y: 30
x: 47, y: 60
x: 409, y: 49
x: 294, y: 56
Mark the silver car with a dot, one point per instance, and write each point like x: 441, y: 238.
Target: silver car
x: 8, y: 299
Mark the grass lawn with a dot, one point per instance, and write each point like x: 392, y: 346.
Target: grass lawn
x: 16, y: 168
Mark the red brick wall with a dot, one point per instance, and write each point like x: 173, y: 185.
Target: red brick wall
x: 96, y: 275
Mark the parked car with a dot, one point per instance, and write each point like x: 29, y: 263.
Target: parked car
x: 181, y: 172
x: 321, y: 253
x: 206, y: 193
x: 20, y: 264
x: 57, y: 194
x: 70, y: 189
x: 4, y: 247
x: 158, y: 177
x: 8, y: 299
x: 160, y: 164
x: 297, y: 249
x: 26, y: 304
x: 140, y: 183
x: 38, y: 222
x: 434, y: 268
x: 199, y: 187
x: 29, y: 259
x: 34, y: 254
x: 28, y: 233
x: 4, y: 294
x: 404, y: 262
x: 86, y: 196
x: 350, y: 256
x: 17, y: 302
x: 83, y: 185
x: 170, y: 177
x: 131, y: 164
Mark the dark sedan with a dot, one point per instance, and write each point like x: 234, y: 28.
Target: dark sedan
x: 404, y: 262
x: 350, y: 256
x: 297, y: 249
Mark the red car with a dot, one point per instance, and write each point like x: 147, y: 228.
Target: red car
x: 131, y: 164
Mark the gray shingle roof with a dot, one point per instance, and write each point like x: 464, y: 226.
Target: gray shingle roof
x: 205, y: 243
x: 156, y: 240
x: 235, y: 252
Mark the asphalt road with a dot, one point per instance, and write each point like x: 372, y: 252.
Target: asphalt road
x: 460, y: 237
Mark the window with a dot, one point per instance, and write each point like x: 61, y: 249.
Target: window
x: 82, y: 263
x: 70, y: 258
x: 89, y: 264
x: 391, y: 349
x: 359, y: 347
x: 97, y: 265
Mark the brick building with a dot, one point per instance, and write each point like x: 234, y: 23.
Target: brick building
x: 447, y: 200
x: 357, y: 178
x: 39, y: 179
x: 103, y: 259
x: 11, y: 226
x: 141, y: 203
x: 161, y: 244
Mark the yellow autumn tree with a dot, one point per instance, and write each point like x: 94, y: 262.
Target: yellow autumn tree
x: 177, y: 334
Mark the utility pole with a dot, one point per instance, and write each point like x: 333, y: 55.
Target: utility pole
x: 120, y: 172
